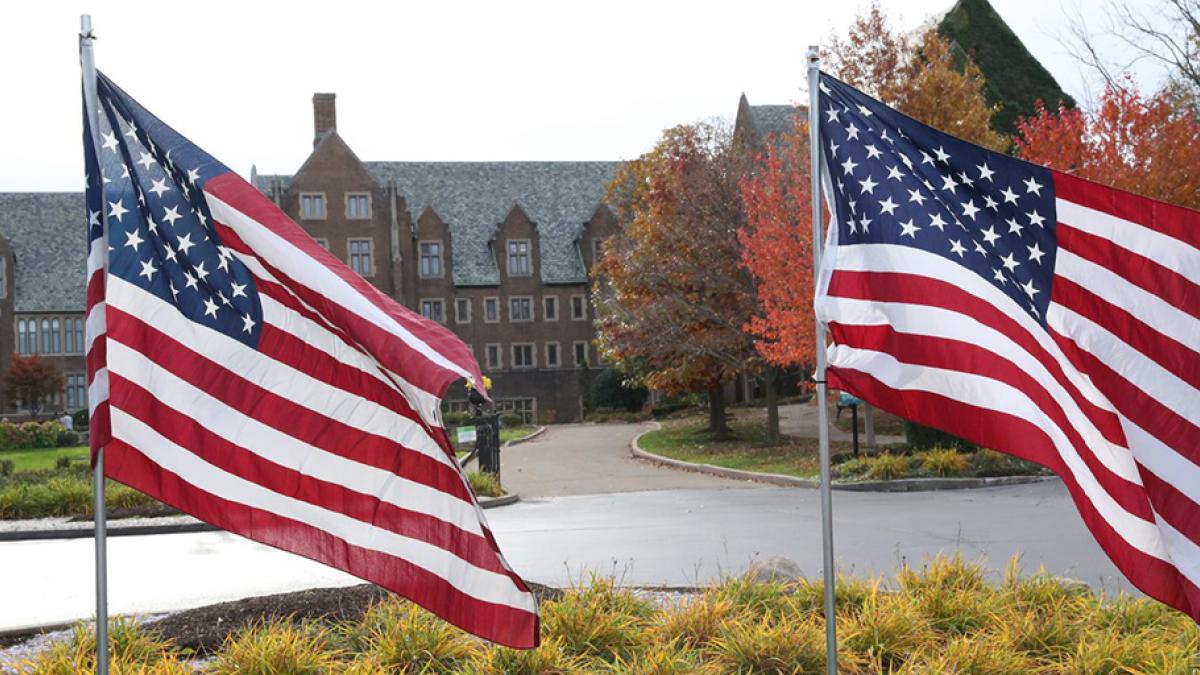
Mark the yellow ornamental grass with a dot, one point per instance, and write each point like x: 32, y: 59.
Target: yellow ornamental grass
x: 944, y: 462
x: 276, y: 647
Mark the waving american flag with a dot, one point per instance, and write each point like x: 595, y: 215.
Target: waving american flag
x: 1026, y: 310
x: 242, y: 374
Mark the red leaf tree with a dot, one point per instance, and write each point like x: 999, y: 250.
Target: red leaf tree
x: 1148, y: 145
x: 31, y: 381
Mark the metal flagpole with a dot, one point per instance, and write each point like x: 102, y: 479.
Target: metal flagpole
x: 88, y: 64
x: 814, y: 149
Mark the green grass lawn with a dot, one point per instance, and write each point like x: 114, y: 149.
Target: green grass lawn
x: 687, y: 439
x: 36, y: 459
x: 514, y: 433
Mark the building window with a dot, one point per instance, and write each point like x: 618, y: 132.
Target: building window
x: 520, y: 308
x: 597, y: 249
x: 518, y: 258
x: 550, y: 308
x: 581, y: 354
x: 431, y: 259
x: 493, y: 357
x: 323, y: 242
x: 360, y: 257
x: 579, y: 307
x: 51, y: 336
x: 552, y: 355
x: 73, y: 335
x: 26, y: 336
x: 434, y: 310
x: 76, y: 391
x: 462, y: 310
x: 3, y: 277
x: 312, y: 206
x: 491, y: 310
x: 358, y: 205
x: 522, y: 355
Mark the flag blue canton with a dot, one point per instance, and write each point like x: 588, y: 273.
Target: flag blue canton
x: 897, y: 181
x: 148, y: 181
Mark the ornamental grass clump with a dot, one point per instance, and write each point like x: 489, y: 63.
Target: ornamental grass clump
x: 276, y: 647
x: 772, y: 644
x: 396, y: 636
x: 598, y: 621
x: 484, y: 483
x: 887, y: 631
x: 548, y: 659
x: 133, y: 648
x: 887, y: 466
x: 944, y: 462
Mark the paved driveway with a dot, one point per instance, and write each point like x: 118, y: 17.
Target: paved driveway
x: 581, y: 459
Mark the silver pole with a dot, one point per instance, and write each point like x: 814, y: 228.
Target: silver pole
x: 814, y: 149
x: 88, y: 64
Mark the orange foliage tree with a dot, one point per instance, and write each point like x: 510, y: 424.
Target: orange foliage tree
x: 670, y: 294
x: 1148, y: 145
x: 31, y: 381
x: 922, y: 78
x: 777, y: 250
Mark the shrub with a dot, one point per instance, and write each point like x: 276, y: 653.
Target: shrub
x: 511, y: 420
x: 63, y: 462
x: 887, y: 466
x: 277, y: 646
x: 396, y: 636
x: 455, y: 418
x: 42, y: 434
x: 44, y: 494
x: 80, y: 419
x: 14, y: 436
x: 944, y: 462
x: 610, y: 390
x: 484, y: 484
x: 132, y: 648
x: 67, y: 438
x: 850, y: 468
x: 6, y: 467
x: 921, y: 437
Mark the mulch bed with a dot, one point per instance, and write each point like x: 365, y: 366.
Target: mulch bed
x: 203, y: 630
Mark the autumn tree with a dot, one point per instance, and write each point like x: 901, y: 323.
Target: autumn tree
x: 777, y: 250
x: 671, y: 295
x: 32, y: 381
x: 922, y: 77
x: 1148, y: 145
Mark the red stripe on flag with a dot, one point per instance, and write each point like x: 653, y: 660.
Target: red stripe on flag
x: 1153, y: 345
x: 1143, y: 410
x: 916, y: 290
x: 962, y: 357
x: 1154, y: 577
x: 1173, y: 221
x: 498, y: 623
x: 239, y: 461
x: 280, y: 413
x: 1138, y: 270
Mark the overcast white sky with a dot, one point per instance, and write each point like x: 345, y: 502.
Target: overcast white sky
x: 427, y: 80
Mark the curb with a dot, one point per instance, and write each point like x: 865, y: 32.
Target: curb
x: 173, y: 528
x: 517, y: 441
x: 901, y: 485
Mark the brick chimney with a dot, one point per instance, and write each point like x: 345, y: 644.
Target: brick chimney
x: 324, y: 116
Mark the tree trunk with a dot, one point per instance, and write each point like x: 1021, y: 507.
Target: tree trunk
x: 716, y: 413
x: 771, y: 389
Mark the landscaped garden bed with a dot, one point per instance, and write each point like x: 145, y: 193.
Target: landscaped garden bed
x: 941, y: 618
x: 748, y: 449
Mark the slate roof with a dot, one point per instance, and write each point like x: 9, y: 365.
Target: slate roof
x: 474, y: 197
x: 46, y: 230
x: 773, y: 119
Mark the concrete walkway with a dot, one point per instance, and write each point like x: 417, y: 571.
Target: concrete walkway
x: 582, y: 459
x: 800, y: 420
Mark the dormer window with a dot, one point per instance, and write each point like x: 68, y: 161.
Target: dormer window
x: 518, y: 258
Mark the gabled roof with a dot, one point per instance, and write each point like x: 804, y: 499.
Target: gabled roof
x: 49, y: 241
x: 756, y: 123
x: 473, y: 198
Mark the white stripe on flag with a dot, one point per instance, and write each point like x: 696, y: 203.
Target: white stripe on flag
x: 1165, y: 250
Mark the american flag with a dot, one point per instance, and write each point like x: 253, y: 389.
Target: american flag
x: 242, y: 374
x: 1026, y: 310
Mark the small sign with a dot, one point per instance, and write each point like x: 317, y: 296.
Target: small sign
x: 846, y: 400
x: 466, y: 435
